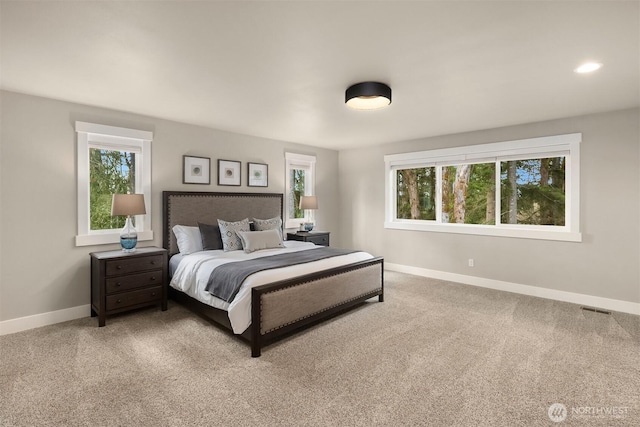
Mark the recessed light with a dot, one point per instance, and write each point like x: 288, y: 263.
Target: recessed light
x: 588, y: 67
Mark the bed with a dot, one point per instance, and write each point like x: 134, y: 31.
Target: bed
x: 277, y: 302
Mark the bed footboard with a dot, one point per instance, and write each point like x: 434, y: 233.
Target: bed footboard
x: 281, y: 307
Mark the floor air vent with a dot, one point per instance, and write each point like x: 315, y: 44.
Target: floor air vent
x: 595, y: 310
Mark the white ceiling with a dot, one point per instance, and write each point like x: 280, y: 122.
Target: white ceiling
x: 279, y: 69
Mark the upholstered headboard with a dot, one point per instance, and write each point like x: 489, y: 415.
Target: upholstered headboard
x: 189, y: 208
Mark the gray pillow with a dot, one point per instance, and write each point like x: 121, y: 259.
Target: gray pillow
x: 268, y: 224
x: 210, y: 235
x: 230, y: 240
x: 256, y: 240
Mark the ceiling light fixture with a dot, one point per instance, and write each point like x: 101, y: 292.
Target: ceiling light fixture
x: 368, y: 96
x: 588, y: 67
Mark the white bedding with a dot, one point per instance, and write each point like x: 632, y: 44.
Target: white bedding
x: 192, y: 274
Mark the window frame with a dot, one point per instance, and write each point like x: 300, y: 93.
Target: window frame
x: 308, y: 164
x: 91, y: 135
x: 567, y: 145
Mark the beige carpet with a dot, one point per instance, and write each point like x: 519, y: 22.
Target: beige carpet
x: 434, y: 353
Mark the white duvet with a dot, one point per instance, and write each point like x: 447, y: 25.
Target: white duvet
x: 192, y: 274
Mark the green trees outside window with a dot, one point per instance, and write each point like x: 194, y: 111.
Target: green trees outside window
x: 416, y: 193
x: 110, y: 172
x: 297, y: 185
x: 532, y: 191
x: 469, y: 194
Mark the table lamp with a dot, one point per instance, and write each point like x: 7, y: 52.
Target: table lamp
x: 308, y: 203
x: 129, y: 205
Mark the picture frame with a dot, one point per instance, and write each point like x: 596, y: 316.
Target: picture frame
x: 229, y: 172
x: 258, y: 175
x: 196, y: 170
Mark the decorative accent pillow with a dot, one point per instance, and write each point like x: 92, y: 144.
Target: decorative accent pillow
x: 188, y: 239
x: 230, y: 239
x: 256, y: 240
x: 268, y: 224
x: 211, y: 239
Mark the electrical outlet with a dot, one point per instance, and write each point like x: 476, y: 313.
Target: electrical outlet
x: 471, y: 263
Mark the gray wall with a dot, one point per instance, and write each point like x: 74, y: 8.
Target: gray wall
x: 40, y: 268
x: 605, y: 264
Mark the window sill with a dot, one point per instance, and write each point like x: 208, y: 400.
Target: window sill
x: 108, y: 238
x: 539, y: 233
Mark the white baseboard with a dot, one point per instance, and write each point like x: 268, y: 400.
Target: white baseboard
x: 37, y: 320
x: 581, y: 299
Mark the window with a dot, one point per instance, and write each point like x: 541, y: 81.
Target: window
x: 468, y: 193
x: 416, y: 193
x: 527, y: 188
x: 300, y: 170
x: 533, y: 191
x: 111, y: 160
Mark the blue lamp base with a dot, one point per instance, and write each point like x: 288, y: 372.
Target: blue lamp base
x: 128, y: 237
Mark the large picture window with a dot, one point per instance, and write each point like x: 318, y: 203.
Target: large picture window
x: 527, y: 188
x: 111, y: 161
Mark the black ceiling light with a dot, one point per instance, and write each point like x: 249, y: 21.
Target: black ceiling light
x: 368, y: 96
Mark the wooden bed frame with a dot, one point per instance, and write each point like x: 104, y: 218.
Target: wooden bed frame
x: 279, y: 308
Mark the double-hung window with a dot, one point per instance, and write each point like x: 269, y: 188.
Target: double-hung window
x: 526, y: 188
x: 111, y: 160
x: 300, y: 175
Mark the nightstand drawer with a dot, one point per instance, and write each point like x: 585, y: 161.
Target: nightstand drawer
x: 319, y: 240
x: 125, y: 266
x: 142, y: 296
x: 132, y: 281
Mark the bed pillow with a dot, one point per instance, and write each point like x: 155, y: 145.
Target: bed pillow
x: 211, y: 239
x: 228, y: 233
x: 268, y: 224
x: 256, y: 240
x: 188, y: 239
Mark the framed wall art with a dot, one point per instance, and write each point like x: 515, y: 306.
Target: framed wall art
x: 258, y: 175
x: 228, y: 172
x: 196, y: 170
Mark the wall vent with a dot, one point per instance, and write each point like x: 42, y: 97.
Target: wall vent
x: 595, y: 310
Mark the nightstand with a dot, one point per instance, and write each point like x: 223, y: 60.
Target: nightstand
x: 318, y: 237
x: 122, y: 281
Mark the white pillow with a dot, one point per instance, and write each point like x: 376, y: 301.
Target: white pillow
x: 188, y: 239
x: 256, y: 240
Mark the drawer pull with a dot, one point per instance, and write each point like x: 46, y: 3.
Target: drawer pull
x: 153, y: 294
x: 119, y: 267
x: 118, y: 301
x: 117, y: 285
x: 153, y: 278
x: 153, y: 263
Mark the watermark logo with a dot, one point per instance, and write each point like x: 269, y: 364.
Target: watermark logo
x: 557, y: 412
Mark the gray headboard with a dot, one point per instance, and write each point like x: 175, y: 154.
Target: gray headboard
x: 189, y: 208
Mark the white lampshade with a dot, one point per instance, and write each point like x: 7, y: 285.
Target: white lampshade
x: 128, y: 204
x: 309, y: 202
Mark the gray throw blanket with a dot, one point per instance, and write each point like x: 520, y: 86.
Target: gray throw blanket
x: 226, y: 279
